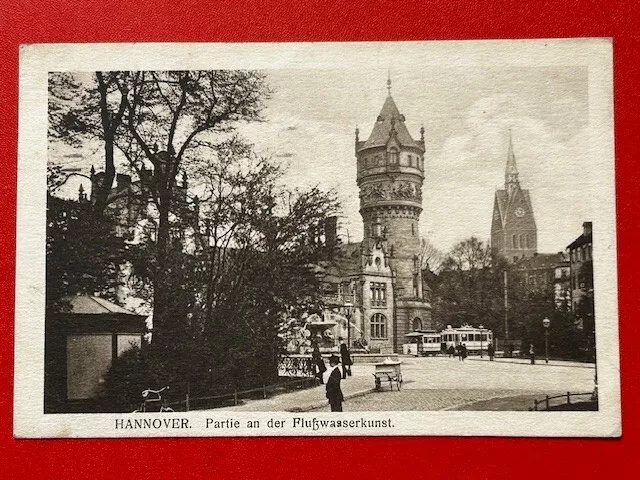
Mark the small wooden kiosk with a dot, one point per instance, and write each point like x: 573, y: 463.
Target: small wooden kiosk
x: 81, y: 341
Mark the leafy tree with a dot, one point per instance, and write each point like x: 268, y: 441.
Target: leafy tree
x: 159, y: 119
x: 469, y: 288
x: 89, y: 110
x: 83, y: 254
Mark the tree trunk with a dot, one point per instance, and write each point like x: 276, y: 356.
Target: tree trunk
x: 104, y: 187
x: 161, y: 295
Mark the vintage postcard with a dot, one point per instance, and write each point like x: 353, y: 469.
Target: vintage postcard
x: 383, y: 238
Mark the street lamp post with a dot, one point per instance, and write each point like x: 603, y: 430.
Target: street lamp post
x: 481, y: 327
x: 545, y: 323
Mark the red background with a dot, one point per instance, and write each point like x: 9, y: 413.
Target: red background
x: 302, y: 20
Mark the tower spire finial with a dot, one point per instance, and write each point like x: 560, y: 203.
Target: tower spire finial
x: 511, y: 171
x: 389, y: 81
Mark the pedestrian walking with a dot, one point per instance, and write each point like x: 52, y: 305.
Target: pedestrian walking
x: 459, y: 349
x: 334, y: 392
x: 451, y: 351
x: 532, y: 354
x: 345, y: 358
x: 318, y: 364
x: 464, y: 351
x: 492, y: 351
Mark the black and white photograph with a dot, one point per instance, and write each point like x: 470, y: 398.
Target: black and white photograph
x: 377, y: 238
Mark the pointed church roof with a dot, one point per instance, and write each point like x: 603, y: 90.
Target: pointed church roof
x: 511, y: 158
x: 390, y: 118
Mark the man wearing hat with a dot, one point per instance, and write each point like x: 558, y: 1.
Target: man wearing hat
x: 334, y: 393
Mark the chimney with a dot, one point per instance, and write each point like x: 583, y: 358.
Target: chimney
x: 586, y: 228
x: 331, y: 231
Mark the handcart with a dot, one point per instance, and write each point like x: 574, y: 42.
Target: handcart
x: 388, y: 371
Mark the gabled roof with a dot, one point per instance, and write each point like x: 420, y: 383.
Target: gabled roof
x: 580, y: 241
x: 390, y: 117
x: 90, y: 305
x: 501, y: 199
x: 504, y: 200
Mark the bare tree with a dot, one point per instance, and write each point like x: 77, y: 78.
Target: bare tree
x: 431, y: 258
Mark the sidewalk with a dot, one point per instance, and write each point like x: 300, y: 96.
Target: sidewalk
x: 360, y: 383
x: 539, y: 361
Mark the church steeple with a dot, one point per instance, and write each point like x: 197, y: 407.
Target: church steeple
x: 511, y: 171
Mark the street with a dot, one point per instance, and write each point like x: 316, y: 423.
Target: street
x: 439, y: 383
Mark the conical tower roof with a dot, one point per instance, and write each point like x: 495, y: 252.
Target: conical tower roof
x: 390, y: 119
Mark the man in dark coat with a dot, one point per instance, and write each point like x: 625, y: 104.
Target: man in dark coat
x: 345, y: 357
x: 492, y: 351
x: 318, y: 364
x: 334, y: 393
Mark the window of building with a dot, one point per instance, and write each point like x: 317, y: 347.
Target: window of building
x: 514, y: 241
x: 378, y: 326
x: 522, y: 241
x: 393, y: 156
x: 378, y: 294
x: 413, y: 230
x: 417, y: 324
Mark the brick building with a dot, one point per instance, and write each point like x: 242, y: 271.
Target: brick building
x: 544, y: 271
x: 581, y: 271
x: 513, y: 228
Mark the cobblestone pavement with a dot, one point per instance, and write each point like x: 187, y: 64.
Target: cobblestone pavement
x: 436, y: 383
x: 425, y: 400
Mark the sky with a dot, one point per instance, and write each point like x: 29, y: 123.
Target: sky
x: 467, y: 112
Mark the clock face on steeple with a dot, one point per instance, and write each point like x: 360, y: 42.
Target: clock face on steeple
x: 519, y: 212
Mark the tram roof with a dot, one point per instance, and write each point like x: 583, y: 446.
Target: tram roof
x: 466, y: 328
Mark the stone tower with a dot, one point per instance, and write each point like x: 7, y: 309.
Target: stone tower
x: 513, y: 228
x: 390, y: 176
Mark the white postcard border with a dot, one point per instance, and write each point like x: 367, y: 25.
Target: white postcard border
x: 37, y: 60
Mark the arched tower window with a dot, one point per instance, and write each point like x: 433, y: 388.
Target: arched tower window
x: 378, y: 325
x: 393, y: 156
x: 416, y: 324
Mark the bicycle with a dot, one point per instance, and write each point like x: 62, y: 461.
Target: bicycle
x: 153, y: 401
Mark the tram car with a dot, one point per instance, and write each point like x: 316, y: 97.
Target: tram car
x: 474, y: 338
x: 423, y: 342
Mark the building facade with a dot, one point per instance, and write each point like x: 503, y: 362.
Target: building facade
x: 581, y: 272
x: 513, y: 229
x: 385, y: 268
x: 547, y: 272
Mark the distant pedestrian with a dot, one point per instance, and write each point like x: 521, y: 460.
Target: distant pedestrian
x: 532, y: 354
x: 451, y: 351
x: 334, y: 393
x: 345, y: 358
x: 459, y: 351
x: 464, y: 351
x: 492, y: 351
x: 318, y: 364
